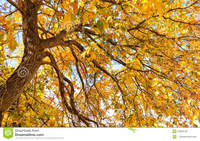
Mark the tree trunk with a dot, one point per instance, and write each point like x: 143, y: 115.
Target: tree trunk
x: 10, y: 91
x: 31, y: 61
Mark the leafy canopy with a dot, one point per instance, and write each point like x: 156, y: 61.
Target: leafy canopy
x: 139, y: 63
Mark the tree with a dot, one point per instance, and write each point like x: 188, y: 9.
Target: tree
x: 100, y: 63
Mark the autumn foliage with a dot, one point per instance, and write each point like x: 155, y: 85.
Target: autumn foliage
x: 117, y: 63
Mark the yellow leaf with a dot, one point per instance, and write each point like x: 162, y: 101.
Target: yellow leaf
x: 11, y: 43
x: 145, y: 1
x: 92, y: 55
x: 46, y: 59
x: 160, y: 8
x: 81, y: 3
x: 66, y: 5
x: 86, y: 17
x: 195, y: 116
x: 67, y: 20
x: 93, y: 8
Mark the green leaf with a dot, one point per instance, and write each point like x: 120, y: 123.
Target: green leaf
x: 100, y: 25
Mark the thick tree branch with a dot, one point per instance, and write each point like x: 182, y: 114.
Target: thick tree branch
x: 71, y: 108
x: 58, y: 39
x: 54, y: 41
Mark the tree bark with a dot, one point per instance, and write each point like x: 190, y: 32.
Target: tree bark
x: 31, y: 61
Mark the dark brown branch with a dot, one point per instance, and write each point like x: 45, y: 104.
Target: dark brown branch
x: 111, y: 56
x: 180, y: 21
x: 116, y: 81
x: 15, y: 5
x: 58, y: 39
x: 71, y: 108
x: 60, y: 78
x: 181, y: 8
x: 44, y: 31
x: 10, y: 13
x: 109, y: 40
x: 137, y: 26
x: 73, y: 42
x: 54, y: 41
x: 77, y: 68
x: 112, y: 2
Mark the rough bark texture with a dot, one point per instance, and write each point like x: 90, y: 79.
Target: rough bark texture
x: 31, y: 61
